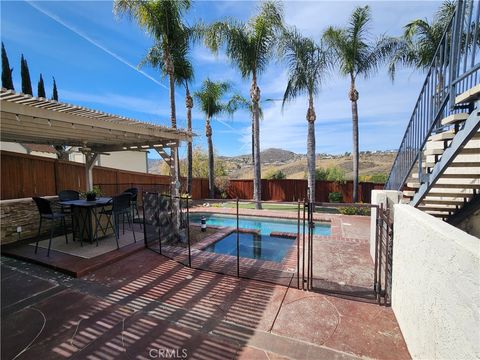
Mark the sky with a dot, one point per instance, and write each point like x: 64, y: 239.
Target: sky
x: 94, y: 57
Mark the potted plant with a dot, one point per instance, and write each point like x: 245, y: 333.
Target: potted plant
x: 91, y: 195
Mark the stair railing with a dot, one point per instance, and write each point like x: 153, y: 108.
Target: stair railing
x: 454, y: 69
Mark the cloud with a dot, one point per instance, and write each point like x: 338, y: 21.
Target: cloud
x: 131, y: 103
x: 204, y: 55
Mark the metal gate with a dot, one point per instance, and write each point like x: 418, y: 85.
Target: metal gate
x: 324, y: 271
x: 383, y: 256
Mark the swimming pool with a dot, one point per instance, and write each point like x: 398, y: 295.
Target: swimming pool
x: 253, y: 246
x: 265, y: 225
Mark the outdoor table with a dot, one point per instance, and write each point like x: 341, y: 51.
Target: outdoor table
x: 87, y: 217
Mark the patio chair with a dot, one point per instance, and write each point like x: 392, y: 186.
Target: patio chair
x: 133, y: 202
x: 121, y: 206
x: 46, y: 212
x: 68, y: 195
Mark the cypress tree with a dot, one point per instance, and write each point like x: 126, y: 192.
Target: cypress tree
x: 26, y: 82
x: 7, y: 81
x: 41, y: 88
x: 55, y: 92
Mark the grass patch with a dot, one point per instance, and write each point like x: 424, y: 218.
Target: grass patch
x: 280, y: 207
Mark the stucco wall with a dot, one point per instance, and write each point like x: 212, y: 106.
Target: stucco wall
x: 125, y: 160
x: 11, y: 146
x: 436, y: 286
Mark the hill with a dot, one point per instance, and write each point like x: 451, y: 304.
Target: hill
x: 294, y: 165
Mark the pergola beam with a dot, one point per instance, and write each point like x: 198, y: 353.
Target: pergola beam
x: 26, y: 119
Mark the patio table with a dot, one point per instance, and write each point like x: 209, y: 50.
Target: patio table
x: 87, y: 216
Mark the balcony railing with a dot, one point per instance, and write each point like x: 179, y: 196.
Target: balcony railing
x: 454, y: 69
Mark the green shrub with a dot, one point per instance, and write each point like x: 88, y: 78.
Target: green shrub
x: 330, y: 174
x: 374, y: 178
x: 275, y: 175
x: 351, y: 210
x: 335, y: 197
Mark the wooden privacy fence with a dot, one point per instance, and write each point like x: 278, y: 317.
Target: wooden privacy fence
x: 24, y: 176
x: 294, y: 189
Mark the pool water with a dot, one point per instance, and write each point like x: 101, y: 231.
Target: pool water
x: 265, y: 225
x: 253, y: 246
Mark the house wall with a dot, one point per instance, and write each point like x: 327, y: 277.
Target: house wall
x: 122, y: 160
x: 14, y: 147
x: 435, y: 286
x: 125, y: 160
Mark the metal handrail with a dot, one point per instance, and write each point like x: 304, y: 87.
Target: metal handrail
x: 454, y: 69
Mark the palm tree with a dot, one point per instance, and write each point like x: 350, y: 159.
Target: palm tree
x: 307, y: 66
x: 163, y: 20
x: 183, y: 75
x: 356, y: 55
x: 210, y: 98
x: 250, y: 46
x: 419, y: 43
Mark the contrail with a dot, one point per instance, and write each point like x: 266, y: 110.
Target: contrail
x: 90, y: 40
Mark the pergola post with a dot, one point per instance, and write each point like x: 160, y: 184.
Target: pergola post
x: 90, y: 159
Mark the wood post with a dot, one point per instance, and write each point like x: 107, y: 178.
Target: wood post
x: 90, y: 159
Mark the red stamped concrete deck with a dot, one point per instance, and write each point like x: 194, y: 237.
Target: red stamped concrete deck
x: 145, y: 304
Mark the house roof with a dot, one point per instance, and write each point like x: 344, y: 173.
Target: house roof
x: 31, y: 120
x: 40, y: 148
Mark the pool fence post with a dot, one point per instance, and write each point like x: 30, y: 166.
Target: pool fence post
x: 238, y: 244
x: 188, y: 234
x: 298, y: 245
x: 310, y: 235
x: 157, y: 214
x: 303, y: 248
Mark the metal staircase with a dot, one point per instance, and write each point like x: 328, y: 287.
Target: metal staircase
x: 438, y: 163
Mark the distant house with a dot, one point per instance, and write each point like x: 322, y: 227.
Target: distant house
x: 122, y: 160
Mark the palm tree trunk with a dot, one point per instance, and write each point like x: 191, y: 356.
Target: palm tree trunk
x: 211, y: 165
x: 311, y: 149
x: 354, y: 98
x: 175, y: 171
x: 253, y: 141
x: 257, y: 171
x: 189, y: 105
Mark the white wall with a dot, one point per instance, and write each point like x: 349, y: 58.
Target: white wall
x: 435, y: 286
x: 125, y: 160
x: 13, y: 147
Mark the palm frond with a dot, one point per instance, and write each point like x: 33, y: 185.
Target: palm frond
x: 307, y: 63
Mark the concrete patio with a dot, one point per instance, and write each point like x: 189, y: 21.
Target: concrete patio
x: 146, y: 304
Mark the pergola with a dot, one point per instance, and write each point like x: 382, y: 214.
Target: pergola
x: 27, y: 119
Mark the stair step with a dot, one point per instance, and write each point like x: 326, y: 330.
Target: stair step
x: 469, y: 95
x: 452, y: 119
x: 453, y: 194
x: 436, y: 144
x: 414, y: 185
x: 446, y: 135
x: 443, y: 201
x: 437, y: 208
x: 434, y: 151
x: 409, y: 193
